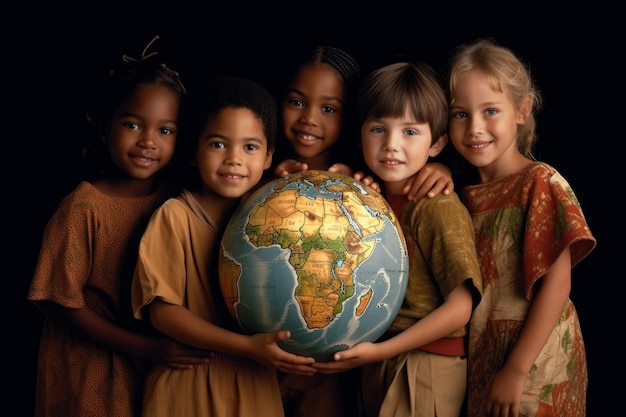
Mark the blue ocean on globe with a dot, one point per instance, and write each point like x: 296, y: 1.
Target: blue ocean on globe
x: 318, y: 254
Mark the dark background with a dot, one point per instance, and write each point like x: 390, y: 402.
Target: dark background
x: 55, y: 58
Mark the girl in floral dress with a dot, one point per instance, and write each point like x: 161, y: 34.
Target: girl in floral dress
x: 526, y: 351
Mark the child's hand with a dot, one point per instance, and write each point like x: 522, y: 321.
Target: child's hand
x: 289, y: 166
x: 367, y: 180
x: 168, y: 352
x: 266, y: 351
x: 340, y: 168
x: 358, y: 355
x: 432, y: 179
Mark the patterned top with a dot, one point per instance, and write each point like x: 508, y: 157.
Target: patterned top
x: 442, y: 255
x: 178, y: 264
x: 523, y: 222
x: 87, y: 258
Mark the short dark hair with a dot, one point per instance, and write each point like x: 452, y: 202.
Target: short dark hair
x: 218, y: 93
x: 387, y: 91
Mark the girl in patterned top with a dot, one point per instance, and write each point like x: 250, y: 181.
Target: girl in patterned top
x: 526, y: 350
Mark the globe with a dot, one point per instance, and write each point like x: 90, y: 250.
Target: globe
x: 316, y: 253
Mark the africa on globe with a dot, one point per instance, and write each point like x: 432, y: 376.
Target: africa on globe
x: 318, y: 254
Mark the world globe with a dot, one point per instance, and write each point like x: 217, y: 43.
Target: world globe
x: 318, y: 254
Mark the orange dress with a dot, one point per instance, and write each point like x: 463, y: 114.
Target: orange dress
x: 178, y: 264
x: 87, y: 258
x: 523, y: 222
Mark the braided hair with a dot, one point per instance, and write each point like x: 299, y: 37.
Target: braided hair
x: 346, y: 66
x: 340, y: 60
x: 349, y: 71
x: 121, y: 83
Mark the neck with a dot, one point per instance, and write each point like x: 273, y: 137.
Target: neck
x: 125, y: 186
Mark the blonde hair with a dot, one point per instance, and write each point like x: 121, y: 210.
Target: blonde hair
x: 504, y: 72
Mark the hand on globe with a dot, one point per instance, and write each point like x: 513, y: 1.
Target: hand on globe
x: 264, y: 349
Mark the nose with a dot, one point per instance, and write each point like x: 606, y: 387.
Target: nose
x: 147, y: 139
x: 307, y: 116
x: 390, y: 142
x: 233, y: 158
x: 476, y: 126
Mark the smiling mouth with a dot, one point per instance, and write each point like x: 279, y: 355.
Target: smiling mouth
x: 308, y: 138
x: 142, y: 158
x: 481, y: 145
x: 390, y: 162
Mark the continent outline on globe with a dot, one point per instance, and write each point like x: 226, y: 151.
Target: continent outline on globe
x: 324, y: 226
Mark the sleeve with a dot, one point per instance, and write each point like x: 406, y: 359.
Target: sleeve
x: 160, y: 269
x: 554, y: 222
x: 446, y: 237
x: 65, y: 258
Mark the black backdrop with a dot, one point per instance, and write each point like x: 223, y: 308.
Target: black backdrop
x: 54, y: 59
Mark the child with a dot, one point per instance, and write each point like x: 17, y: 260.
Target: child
x: 526, y: 351
x: 230, y: 132
x: 418, y: 367
x: 90, y: 346
x: 317, y: 115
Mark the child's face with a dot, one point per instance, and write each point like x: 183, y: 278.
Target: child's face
x: 397, y: 148
x: 312, y: 110
x: 483, y: 124
x: 232, y: 152
x: 143, y: 132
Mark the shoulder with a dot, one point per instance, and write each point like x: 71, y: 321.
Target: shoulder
x: 173, y: 207
x: 84, y: 198
x: 84, y: 190
x: 440, y: 204
x: 539, y: 177
x: 440, y: 212
x: 541, y: 171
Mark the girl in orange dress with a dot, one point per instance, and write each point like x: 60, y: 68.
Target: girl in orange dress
x: 93, y: 355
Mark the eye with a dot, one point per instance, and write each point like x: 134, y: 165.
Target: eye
x: 217, y: 145
x: 377, y: 129
x: 491, y: 112
x: 131, y: 125
x: 250, y: 147
x: 459, y: 115
x: 329, y: 109
x: 294, y: 102
x: 166, y: 131
x: 411, y: 132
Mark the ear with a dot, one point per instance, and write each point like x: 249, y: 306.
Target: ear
x: 437, y: 147
x: 268, y: 159
x: 523, y: 111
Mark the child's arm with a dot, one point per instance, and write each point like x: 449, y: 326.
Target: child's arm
x: 453, y: 314
x: 505, y: 389
x: 181, y: 324
x: 432, y: 179
x: 161, y: 350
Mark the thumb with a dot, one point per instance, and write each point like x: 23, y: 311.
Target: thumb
x: 282, y: 335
